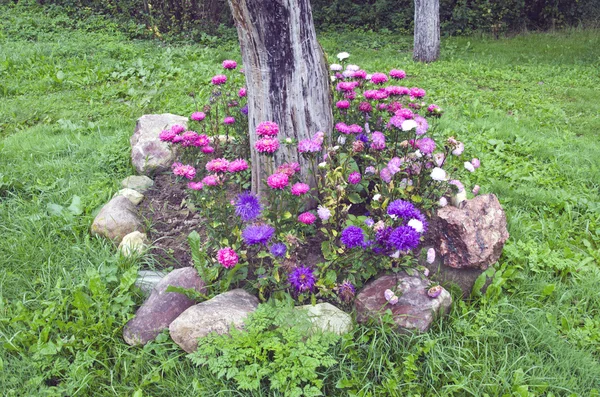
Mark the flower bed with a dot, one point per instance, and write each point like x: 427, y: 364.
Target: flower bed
x: 375, y: 180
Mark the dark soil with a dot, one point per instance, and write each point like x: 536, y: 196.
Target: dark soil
x: 171, y: 221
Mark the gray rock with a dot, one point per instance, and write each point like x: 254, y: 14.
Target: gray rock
x: 148, y: 153
x: 415, y: 310
x: 116, y: 219
x: 446, y: 275
x: 139, y: 183
x: 133, y: 195
x: 471, y: 236
x: 135, y: 243
x: 148, y: 279
x: 327, y: 317
x: 214, y: 315
x: 162, y: 307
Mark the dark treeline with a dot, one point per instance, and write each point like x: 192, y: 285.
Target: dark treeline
x: 193, y: 17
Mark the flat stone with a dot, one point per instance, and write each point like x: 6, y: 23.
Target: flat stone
x: 139, y: 183
x: 471, y: 236
x: 135, y: 243
x: 218, y: 315
x: 162, y: 307
x: 327, y: 317
x: 148, y: 153
x: 132, y: 195
x: 148, y: 279
x: 415, y: 310
x: 116, y: 219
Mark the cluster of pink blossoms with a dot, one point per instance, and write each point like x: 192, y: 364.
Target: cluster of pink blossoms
x: 313, y: 145
x: 229, y: 64
x: 278, y: 181
x: 186, y: 171
x: 219, y: 79
x: 178, y: 135
x: 268, y: 143
x: 227, y: 257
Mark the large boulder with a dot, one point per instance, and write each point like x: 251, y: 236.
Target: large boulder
x: 415, y: 309
x: 471, y: 236
x: 148, y: 153
x: 139, y: 183
x: 326, y: 317
x: 148, y: 279
x: 116, y: 219
x: 218, y: 315
x: 162, y: 307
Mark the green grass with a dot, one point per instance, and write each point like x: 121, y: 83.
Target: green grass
x: 527, y: 106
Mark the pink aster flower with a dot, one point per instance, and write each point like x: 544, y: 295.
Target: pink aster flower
x: 386, y: 175
x: 167, y: 135
x: 238, y: 165
x: 405, y: 113
x: 469, y: 167
x: 242, y: 92
x: 308, y: 218
x: 354, y: 178
x: 267, y: 145
x: 177, y: 129
x: 476, y: 163
x: 394, y: 90
x: 394, y: 165
x: 425, y: 145
x: 430, y: 255
x: 355, y: 129
x: 458, y: 149
x: 195, y: 185
x: 417, y: 92
x: 278, y: 181
x: 299, y: 188
x: 397, y: 74
x: 198, y: 116
x: 208, y: 149
x: 371, y: 94
x: 217, y: 165
x: 350, y: 95
x: 347, y: 86
x: 227, y: 257
x: 359, y: 74
x: 229, y: 64
x: 324, y: 213
x: 201, y: 140
x: 476, y: 189
x: 377, y: 140
x: 228, y: 120
x: 186, y: 171
x: 343, y: 128
x: 458, y: 185
x: 219, y: 79
x: 365, y: 107
x: 379, y: 78
x: 267, y: 128
x: 342, y: 104
x: 211, y: 180
x: 288, y: 168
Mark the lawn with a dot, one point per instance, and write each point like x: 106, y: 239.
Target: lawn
x: 70, y: 92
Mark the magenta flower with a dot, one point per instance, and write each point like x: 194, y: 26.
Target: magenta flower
x: 346, y: 291
x: 365, y: 107
x: 177, y: 129
x: 397, y: 74
x: 242, y: 92
x: 227, y: 257
x: 298, y: 189
x: 219, y: 79
x: 422, y: 124
x: 211, y: 180
x: 394, y: 165
x: 167, y: 135
x: 201, y: 140
x: 228, y: 120
x: 308, y: 218
x: 195, y: 185
x: 347, y: 86
x: 229, y: 64
x: 425, y: 145
x: 355, y: 129
x: 208, y: 149
x: 267, y: 145
x: 278, y: 181
x: 394, y: 90
x: 359, y: 74
x: 198, y: 116
x: 386, y: 175
x: 405, y: 113
x: 379, y: 78
x: 417, y: 92
x: 217, y: 165
x: 342, y: 104
x: 354, y: 178
x: 476, y: 189
x: 350, y: 95
x: 343, y: 128
x: 476, y: 163
x: 371, y: 94
x: 377, y: 140
x: 267, y: 128
x: 186, y: 171
x: 237, y: 165
x: 289, y: 169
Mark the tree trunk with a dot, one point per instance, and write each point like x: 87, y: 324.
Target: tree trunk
x: 286, y: 76
x: 427, y: 30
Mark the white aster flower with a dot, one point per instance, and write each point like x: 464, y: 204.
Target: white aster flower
x: 341, y: 139
x: 416, y: 224
x: 469, y: 167
x: 438, y: 174
x: 377, y: 197
x: 343, y: 55
x: 408, y: 125
x: 323, y: 164
x: 336, y: 67
x: 443, y: 201
x: 333, y: 78
x: 352, y: 68
x: 430, y: 255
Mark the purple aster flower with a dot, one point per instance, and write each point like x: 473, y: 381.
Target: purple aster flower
x: 247, y: 206
x: 260, y: 234
x: 425, y: 145
x: 244, y: 110
x: 278, y: 250
x: 346, y: 291
x: 422, y: 124
x: 352, y: 236
x: 401, y: 209
x: 404, y: 238
x: 354, y: 178
x: 302, y: 278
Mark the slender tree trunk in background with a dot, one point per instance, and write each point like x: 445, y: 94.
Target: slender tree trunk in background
x: 427, y: 30
x: 286, y: 75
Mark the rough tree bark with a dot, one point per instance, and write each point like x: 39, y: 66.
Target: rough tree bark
x: 427, y: 30
x: 286, y: 76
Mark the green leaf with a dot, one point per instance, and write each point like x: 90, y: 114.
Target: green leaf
x: 55, y: 209
x: 75, y: 206
x: 548, y: 289
x: 354, y: 198
x: 81, y: 300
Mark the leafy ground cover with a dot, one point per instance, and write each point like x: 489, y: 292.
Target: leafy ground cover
x: 70, y: 94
